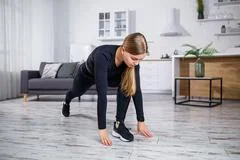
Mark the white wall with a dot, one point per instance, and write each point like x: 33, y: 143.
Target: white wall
x: 150, y: 20
x: 61, y: 30
x: 50, y: 31
x: 42, y: 32
x: 58, y: 23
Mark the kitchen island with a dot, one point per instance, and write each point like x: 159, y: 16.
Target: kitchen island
x: 225, y: 65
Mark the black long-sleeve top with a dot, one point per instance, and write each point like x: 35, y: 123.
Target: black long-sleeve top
x: 101, y: 64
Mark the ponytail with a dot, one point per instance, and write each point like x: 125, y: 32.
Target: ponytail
x: 128, y: 83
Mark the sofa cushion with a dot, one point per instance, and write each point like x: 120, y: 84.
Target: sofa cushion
x: 66, y: 70
x: 50, y: 70
x: 50, y: 84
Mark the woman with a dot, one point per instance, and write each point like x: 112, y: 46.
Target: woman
x: 115, y: 66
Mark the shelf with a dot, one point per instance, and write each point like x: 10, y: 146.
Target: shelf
x: 110, y: 39
x: 157, y: 59
x: 166, y: 59
x: 216, y: 19
x: 120, y: 19
x: 120, y: 29
x: 227, y: 3
x: 227, y: 34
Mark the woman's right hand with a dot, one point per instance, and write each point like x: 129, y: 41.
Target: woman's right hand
x: 104, y: 138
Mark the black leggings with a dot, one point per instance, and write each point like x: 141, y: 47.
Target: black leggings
x: 83, y: 81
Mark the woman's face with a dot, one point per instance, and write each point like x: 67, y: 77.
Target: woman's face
x: 132, y: 60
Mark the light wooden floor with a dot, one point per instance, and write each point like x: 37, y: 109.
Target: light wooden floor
x: 36, y: 130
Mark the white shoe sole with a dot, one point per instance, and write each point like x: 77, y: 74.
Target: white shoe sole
x: 115, y: 134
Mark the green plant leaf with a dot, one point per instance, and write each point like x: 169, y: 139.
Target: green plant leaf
x: 198, y: 52
x: 189, y: 45
x: 207, y: 46
x: 209, y: 51
x: 191, y: 52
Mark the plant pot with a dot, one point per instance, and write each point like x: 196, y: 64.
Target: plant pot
x: 199, y: 68
x: 200, y: 15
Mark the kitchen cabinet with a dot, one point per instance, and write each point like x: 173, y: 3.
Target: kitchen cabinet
x: 156, y: 76
x: 115, y: 25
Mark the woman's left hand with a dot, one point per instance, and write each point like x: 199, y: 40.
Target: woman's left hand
x: 143, y: 129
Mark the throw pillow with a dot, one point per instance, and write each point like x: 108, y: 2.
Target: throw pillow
x: 66, y: 70
x: 50, y: 70
x: 42, y: 65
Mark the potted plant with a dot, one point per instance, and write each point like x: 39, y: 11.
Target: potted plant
x: 200, y: 9
x: 198, y: 53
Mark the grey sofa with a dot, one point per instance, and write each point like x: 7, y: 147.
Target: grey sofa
x: 33, y: 84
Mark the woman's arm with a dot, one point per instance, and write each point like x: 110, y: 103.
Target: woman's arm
x: 138, y: 102
x: 100, y: 72
x: 137, y: 98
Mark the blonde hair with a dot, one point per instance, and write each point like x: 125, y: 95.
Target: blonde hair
x: 135, y: 44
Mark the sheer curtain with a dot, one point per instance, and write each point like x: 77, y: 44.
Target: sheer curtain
x: 15, y: 44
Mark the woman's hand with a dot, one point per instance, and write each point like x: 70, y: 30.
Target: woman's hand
x: 104, y: 138
x: 143, y: 129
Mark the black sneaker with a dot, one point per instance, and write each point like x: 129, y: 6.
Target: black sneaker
x: 120, y: 131
x: 66, y: 110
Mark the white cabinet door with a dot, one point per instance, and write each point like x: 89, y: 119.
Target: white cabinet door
x: 104, y: 23
x: 120, y: 24
x: 155, y: 76
x: 165, y: 73
x: 149, y: 72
